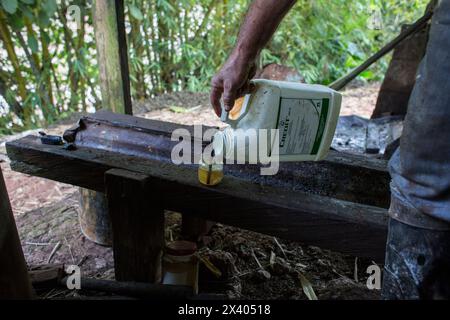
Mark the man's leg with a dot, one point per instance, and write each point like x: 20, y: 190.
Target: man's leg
x: 418, y: 247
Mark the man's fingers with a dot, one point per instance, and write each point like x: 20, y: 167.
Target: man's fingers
x: 245, y: 89
x: 229, y: 95
x: 216, y: 93
x: 252, y: 71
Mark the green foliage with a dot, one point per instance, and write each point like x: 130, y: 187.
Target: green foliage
x: 326, y: 39
x: 136, y: 12
x: 323, y: 39
x: 10, y: 6
x: 47, y: 63
x: 177, y: 45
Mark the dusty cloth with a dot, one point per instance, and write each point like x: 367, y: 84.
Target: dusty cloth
x: 420, y: 168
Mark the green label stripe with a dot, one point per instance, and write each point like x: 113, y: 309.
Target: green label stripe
x: 321, y: 127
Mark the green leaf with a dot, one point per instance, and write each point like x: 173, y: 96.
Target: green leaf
x: 16, y: 21
x: 49, y: 7
x: 44, y: 19
x: 33, y: 44
x: 208, y: 264
x: 136, y: 12
x: 177, y: 109
x: 10, y: 6
x: 307, y: 287
x: 26, y: 11
x: 46, y: 37
x: 368, y: 74
x: 27, y: 1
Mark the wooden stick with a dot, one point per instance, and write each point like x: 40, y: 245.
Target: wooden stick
x: 55, y: 248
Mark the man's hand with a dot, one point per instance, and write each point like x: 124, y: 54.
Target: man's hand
x: 233, y: 79
x: 231, y: 82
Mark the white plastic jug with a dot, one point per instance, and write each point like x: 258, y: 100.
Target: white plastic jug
x: 306, y: 116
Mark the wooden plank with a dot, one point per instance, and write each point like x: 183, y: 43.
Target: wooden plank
x: 324, y: 221
x: 14, y: 281
x: 138, y: 226
x: 333, y: 180
x: 353, y: 229
x: 84, y: 166
x: 343, y: 176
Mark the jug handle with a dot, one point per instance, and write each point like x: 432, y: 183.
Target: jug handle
x: 224, y: 116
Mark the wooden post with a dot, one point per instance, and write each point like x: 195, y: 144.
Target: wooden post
x: 112, y: 57
x: 14, y: 281
x: 138, y: 226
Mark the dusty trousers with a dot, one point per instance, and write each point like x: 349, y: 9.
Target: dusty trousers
x: 420, y: 168
x: 418, y: 246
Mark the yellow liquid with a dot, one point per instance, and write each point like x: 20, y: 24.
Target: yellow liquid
x: 215, y: 176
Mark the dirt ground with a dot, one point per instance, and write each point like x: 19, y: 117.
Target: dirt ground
x: 46, y: 214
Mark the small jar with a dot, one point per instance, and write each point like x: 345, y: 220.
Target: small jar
x: 180, y: 265
x: 210, y: 174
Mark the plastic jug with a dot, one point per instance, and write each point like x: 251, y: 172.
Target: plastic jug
x: 306, y: 116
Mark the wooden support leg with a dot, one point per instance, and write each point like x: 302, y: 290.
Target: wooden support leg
x: 138, y: 226
x: 14, y: 281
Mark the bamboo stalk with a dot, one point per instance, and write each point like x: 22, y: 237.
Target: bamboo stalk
x: 32, y: 34
x: 47, y: 108
x: 205, y: 19
x: 148, y: 43
x: 47, y: 65
x: 136, y: 43
x: 5, y: 35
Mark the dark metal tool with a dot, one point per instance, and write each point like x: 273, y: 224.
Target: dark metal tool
x: 50, y: 139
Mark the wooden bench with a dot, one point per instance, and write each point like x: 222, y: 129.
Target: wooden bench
x: 339, y: 203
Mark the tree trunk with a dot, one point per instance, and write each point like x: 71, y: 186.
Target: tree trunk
x: 113, y: 71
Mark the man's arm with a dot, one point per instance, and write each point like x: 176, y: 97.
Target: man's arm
x: 259, y: 25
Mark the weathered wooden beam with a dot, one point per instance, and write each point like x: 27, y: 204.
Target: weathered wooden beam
x: 46, y: 276
x: 340, y: 175
x: 14, y: 281
x: 137, y: 219
x: 241, y: 199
